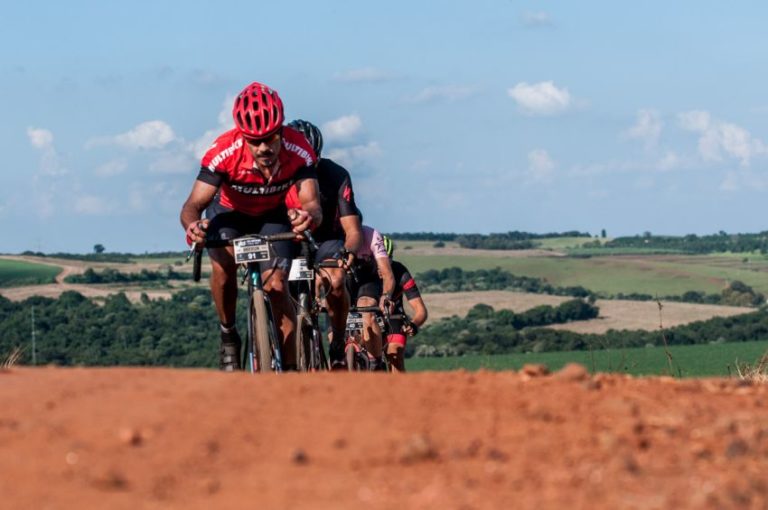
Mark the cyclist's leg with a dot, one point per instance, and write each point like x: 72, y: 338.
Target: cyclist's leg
x: 368, y: 295
x: 396, y: 352
x: 275, y: 278
x: 225, y: 224
x: 333, y: 281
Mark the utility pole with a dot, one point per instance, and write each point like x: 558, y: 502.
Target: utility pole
x: 34, y: 347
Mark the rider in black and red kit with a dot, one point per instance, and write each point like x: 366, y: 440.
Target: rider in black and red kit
x: 340, y: 235
x: 406, y: 286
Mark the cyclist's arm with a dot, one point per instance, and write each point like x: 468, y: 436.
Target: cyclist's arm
x: 419, y: 311
x: 387, y: 277
x: 199, y: 198
x: 309, y: 196
x: 353, y: 232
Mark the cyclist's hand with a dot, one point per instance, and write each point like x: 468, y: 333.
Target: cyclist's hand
x: 300, y: 220
x: 345, y: 259
x: 386, y: 304
x: 196, y: 232
x: 410, y: 329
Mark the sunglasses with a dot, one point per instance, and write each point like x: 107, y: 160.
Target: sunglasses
x: 269, y: 139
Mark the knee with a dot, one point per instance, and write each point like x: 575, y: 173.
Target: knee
x: 366, y: 301
x: 276, y: 282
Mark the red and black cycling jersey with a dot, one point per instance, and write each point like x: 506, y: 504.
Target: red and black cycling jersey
x: 405, y: 285
x: 337, y: 199
x: 229, y: 165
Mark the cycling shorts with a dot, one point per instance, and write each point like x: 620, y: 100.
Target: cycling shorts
x: 227, y: 224
x: 399, y: 339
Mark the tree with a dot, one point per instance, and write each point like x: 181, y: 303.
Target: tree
x: 603, y: 234
x: 98, y: 248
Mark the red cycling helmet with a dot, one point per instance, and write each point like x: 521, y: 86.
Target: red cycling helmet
x: 258, y: 111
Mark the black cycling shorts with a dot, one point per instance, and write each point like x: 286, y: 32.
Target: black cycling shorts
x: 368, y: 281
x: 227, y: 224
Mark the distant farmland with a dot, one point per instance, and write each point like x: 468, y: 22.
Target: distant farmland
x: 15, y: 273
x: 660, y: 275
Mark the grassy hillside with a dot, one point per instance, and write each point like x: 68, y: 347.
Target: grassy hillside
x: 650, y: 274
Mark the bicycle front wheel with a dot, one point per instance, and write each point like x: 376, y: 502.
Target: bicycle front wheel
x: 260, y: 332
x: 303, y: 339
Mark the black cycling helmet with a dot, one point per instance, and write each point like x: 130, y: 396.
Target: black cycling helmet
x: 311, y: 133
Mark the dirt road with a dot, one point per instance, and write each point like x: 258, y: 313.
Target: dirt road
x: 190, y: 439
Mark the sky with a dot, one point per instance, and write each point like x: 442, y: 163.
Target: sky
x: 474, y: 116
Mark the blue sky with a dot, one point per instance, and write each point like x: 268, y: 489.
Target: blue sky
x: 482, y: 116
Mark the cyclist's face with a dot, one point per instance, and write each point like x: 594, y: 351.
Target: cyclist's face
x: 265, y: 150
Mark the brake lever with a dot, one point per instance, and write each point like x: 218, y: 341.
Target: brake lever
x: 191, y: 251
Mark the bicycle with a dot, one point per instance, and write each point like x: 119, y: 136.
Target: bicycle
x: 310, y: 353
x: 262, y: 348
x: 357, y: 356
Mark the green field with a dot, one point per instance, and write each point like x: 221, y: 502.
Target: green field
x: 14, y: 273
x: 661, y: 275
x: 717, y: 360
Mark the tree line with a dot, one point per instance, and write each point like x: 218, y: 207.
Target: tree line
x: 692, y: 243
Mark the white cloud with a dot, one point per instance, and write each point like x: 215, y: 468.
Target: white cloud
x: 363, y: 75
x: 42, y: 139
x: 92, y: 205
x: 199, y: 146
x: 153, y: 134
x: 449, y: 93
x: 647, y: 127
x: 720, y: 139
x: 542, y: 98
x: 695, y: 120
x: 536, y: 19
x: 669, y: 161
x: 112, y: 168
x: 342, y: 129
x: 356, y: 155
x: 540, y: 166
x: 743, y: 179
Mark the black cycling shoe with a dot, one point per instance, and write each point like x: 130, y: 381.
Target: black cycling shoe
x: 336, y: 355
x: 229, y: 351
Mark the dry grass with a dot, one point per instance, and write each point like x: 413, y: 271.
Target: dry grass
x: 754, y: 373
x: 12, y: 359
x: 614, y: 314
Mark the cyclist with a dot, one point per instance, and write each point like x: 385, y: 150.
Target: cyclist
x: 251, y: 167
x: 340, y: 235
x: 375, y: 286
x: 405, y: 285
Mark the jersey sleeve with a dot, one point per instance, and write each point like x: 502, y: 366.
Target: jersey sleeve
x: 408, y: 284
x: 377, y: 246
x: 346, y: 199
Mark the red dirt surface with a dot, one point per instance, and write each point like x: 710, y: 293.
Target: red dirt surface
x: 194, y: 439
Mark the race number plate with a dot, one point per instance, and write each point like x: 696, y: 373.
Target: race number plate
x: 251, y: 249
x: 354, y: 321
x: 300, y: 271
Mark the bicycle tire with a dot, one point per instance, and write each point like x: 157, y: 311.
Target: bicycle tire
x: 318, y: 351
x: 303, y: 345
x: 262, y: 345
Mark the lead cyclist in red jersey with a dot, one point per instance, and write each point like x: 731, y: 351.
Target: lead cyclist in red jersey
x: 251, y: 168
